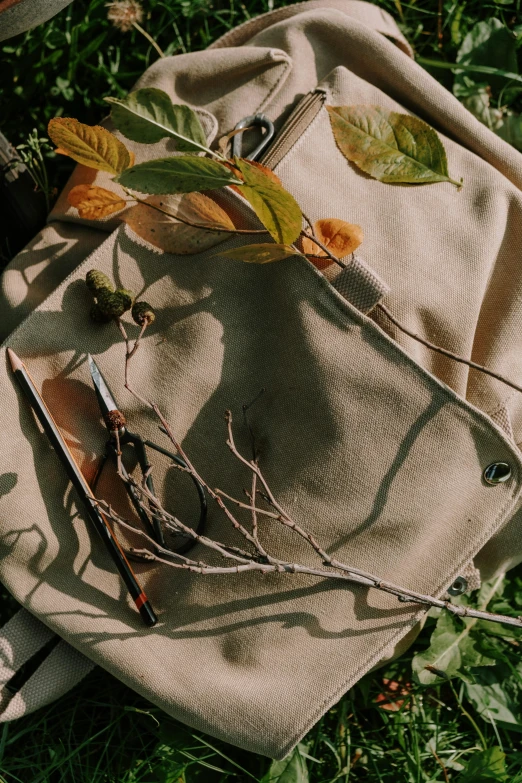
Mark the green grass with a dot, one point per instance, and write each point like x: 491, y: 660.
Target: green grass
x: 103, y: 731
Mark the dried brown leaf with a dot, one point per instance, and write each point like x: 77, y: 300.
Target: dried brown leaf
x: 93, y: 202
x: 169, y: 234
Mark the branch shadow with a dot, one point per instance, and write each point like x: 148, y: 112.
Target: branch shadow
x: 245, y: 359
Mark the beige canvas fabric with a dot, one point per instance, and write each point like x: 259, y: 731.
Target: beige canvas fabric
x: 375, y: 444
x: 17, y: 16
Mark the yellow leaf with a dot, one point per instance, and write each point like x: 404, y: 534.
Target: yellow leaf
x: 167, y: 233
x: 93, y: 202
x: 275, y: 207
x: 339, y: 237
x: 265, y: 253
x: 93, y: 146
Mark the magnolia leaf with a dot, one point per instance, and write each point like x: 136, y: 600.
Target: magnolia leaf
x: 148, y: 115
x: 167, y: 233
x: 487, y: 766
x: 90, y: 145
x: 389, y: 146
x: 260, y: 254
x: 93, y: 202
x: 182, y: 174
x: 453, y: 648
x: 339, y: 237
x: 275, y: 207
x: 291, y: 769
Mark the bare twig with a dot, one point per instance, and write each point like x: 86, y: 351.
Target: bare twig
x: 445, y: 352
x: 323, y: 247
x: 203, y: 226
x: 260, y: 559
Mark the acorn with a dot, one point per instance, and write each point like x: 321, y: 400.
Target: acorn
x: 98, y: 316
x: 143, y: 313
x: 114, y: 304
x: 98, y: 281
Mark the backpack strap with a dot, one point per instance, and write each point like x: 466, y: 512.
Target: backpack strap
x: 20, y: 639
x: 363, y: 12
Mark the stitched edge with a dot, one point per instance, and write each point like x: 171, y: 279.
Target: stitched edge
x: 280, y: 81
x: 399, y: 41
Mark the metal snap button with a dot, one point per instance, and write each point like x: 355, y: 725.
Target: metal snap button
x: 497, y: 473
x: 459, y: 586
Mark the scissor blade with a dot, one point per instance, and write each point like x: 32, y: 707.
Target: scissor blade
x: 106, y: 401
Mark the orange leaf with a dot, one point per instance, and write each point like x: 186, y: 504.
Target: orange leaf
x: 339, y: 237
x: 390, y: 699
x: 93, y: 202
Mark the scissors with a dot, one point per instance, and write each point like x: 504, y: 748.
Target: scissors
x: 119, y: 434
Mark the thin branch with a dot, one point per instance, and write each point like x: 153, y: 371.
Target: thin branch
x: 323, y: 247
x: 203, y: 226
x: 261, y: 560
x: 248, y: 506
x: 447, y: 353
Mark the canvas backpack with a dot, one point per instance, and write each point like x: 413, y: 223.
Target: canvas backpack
x: 376, y: 443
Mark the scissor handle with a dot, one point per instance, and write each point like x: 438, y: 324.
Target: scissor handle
x: 140, y: 446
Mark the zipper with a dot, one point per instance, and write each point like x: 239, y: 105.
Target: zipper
x: 302, y: 116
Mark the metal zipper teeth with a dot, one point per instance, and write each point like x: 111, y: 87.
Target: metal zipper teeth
x: 303, y: 114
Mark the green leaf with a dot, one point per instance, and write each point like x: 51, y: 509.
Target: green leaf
x: 453, y: 648
x: 183, y: 174
x: 479, y: 105
x: 510, y: 129
x: 91, y: 145
x: 486, y: 69
x: 275, y: 207
x: 148, y: 115
x: 489, y: 43
x: 260, y: 254
x: 292, y: 769
x: 389, y: 146
x: 488, y: 766
x: 496, y: 694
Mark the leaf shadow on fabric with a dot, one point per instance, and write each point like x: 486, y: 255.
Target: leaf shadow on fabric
x: 216, y: 306
x: 8, y: 482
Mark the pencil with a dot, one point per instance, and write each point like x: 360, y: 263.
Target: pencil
x: 80, y: 484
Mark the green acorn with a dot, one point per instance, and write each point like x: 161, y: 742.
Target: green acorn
x: 142, y: 313
x: 98, y: 316
x: 114, y: 304
x: 98, y: 281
